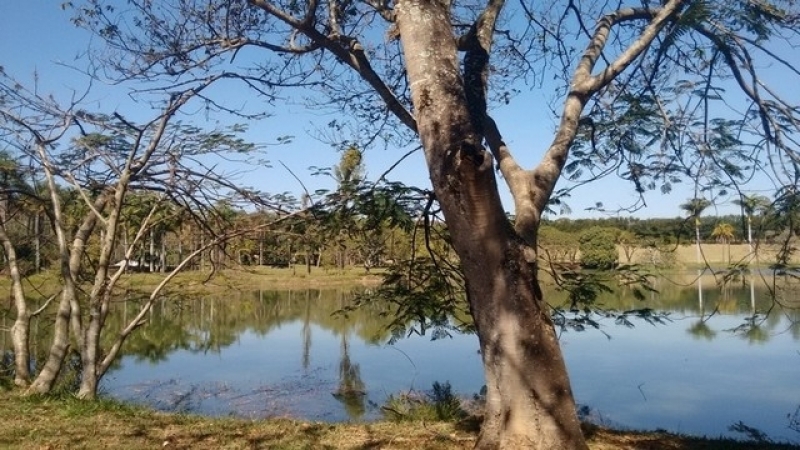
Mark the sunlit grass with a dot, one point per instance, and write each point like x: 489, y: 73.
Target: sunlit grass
x: 42, y: 285
x: 64, y: 422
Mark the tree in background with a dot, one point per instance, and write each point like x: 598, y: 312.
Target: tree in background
x: 91, y: 163
x: 752, y: 205
x: 350, y: 172
x: 694, y: 209
x: 557, y: 246
x: 13, y: 188
x: 598, y: 248
x: 349, y: 176
x: 785, y: 216
x: 629, y: 242
x: 724, y: 233
x: 636, y: 87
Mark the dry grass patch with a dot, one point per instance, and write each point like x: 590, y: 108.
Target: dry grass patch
x: 196, y: 282
x: 40, y: 286
x: 37, y: 423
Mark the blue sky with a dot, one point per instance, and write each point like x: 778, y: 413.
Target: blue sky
x: 37, y: 36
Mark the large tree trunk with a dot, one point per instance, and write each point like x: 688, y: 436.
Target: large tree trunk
x: 529, y: 403
x: 529, y: 400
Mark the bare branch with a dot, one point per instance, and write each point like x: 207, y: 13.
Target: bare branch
x: 587, y: 83
x: 584, y: 85
x: 382, y: 8
x: 350, y: 51
x: 45, y: 304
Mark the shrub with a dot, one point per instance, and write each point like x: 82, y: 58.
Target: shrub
x: 598, y: 248
x: 6, y: 371
x: 439, y: 404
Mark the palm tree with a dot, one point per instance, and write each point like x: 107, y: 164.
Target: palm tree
x: 723, y: 233
x: 350, y: 170
x: 694, y: 208
x: 751, y: 204
x: 349, y: 175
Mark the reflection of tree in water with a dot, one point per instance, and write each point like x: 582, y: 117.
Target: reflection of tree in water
x: 168, y: 330
x: 701, y: 330
x: 794, y: 420
x: 794, y: 327
x: 755, y: 333
x: 351, y: 391
x: 307, y: 334
x: 211, y: 323
x: 203, y: 324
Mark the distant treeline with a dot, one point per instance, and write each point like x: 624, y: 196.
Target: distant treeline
x: 670, y: 230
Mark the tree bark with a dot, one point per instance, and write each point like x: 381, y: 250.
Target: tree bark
x: 529, y: 403
x: 58, y: 349
x: 529, y: 400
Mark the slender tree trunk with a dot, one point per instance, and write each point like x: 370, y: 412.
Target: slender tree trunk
x: 162, y: 259
x: 150, y: 265
x: 125, y: 244
x: 261, y: 250
x: 203, y: 254
x: 20, y: 331
x: 750, y: 233
x: 697, y: 240
x: 58, y: 349
x: 180, y: 247
x: 529, y: 399
x: 37, y: 242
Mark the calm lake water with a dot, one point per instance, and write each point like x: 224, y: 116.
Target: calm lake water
x: 283, y: 353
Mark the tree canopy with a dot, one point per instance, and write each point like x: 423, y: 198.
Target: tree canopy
x: 654, y: 83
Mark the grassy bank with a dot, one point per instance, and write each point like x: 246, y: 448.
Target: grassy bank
x: 42, y: 285
x: 265, y: 277
x: 259, y: 277
x: 68, y: 423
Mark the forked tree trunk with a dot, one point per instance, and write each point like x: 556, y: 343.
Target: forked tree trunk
x: 529, y: 400
x: 68, y: 313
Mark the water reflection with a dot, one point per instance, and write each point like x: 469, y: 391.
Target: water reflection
x: 351, y: 391
x: 701, y: 330
x: 721, y: 359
